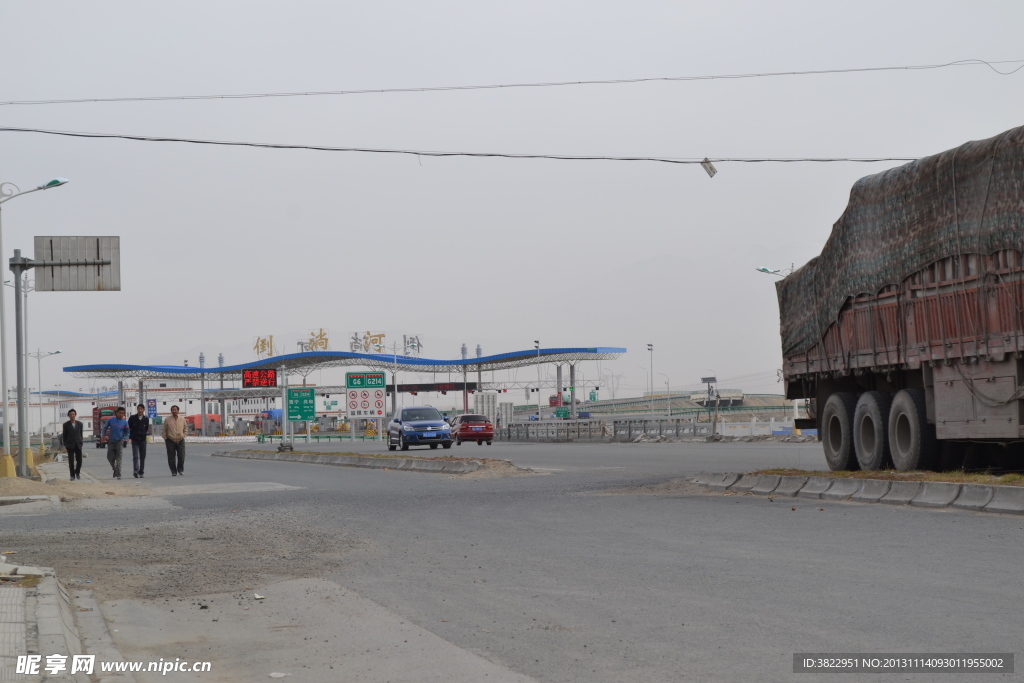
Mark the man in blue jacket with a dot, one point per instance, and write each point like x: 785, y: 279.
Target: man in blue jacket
x: 115, y: 435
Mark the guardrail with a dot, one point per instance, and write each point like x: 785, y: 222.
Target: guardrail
x: 557, y: 430
x: 626, y: 430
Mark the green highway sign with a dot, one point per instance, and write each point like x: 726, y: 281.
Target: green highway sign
x: 365, y: 380
x: 302, y: 404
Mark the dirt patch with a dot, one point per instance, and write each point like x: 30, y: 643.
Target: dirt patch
x: 395, y: 454
x: 216, y: 554
x: 673, y: 487
x: 69, y: 490
x: 493, y: 469
x: 490, y: 468
x: 961, y: 477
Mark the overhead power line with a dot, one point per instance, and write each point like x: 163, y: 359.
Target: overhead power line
x: 439, y: 153
x: 541, y: 84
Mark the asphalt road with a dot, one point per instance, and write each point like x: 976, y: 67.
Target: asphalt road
x: 566, y: 577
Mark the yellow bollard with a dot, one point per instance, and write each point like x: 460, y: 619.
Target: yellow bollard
x: 7, y: 468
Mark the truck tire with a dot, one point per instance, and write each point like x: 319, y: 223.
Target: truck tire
x: 871, y: 430
x: 837, y: 428
x: 911, y: 438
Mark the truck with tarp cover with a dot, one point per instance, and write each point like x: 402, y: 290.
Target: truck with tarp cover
x: 907, y: 331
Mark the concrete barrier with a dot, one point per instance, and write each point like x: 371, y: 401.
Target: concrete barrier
x: 901, y: 493
x: 790, y: 486
x: 721, y: 482
x: 746, y: 482
x: 766, y: 484
x: 703, y: 478
x: 408, y: 464
x: 974, y: 496
x: 871, y: 490
x: 841, y: 489
x: 936, y: 494
x: 814, y: 487
x: 1007, y: 499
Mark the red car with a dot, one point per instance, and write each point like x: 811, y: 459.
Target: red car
x: 472, y: 428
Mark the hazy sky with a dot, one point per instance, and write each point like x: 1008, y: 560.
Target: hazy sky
x: 220, y: 245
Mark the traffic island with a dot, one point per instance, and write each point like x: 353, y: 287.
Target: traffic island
x: 967, y: 491
x: 436, y: 465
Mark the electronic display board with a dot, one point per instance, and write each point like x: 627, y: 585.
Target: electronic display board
x: 254, y: 379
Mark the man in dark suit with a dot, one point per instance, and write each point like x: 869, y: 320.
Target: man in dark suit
x: 138, y: 430
x: 73, y: 441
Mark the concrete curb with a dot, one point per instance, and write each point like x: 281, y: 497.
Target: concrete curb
x: 935, y: 494
x: 96, y: 635
x: 746, y: 482
x: 406, y: 464
x: 46, y: 623
x: 721, y: 482
x: 1007, y: 499
x: 871, y: 491
x: 790, y: 486
x: 814, y: 487
x: 29, y: 505
x: 841, y: 489
x: 974, y: 496
x: 55, y: 621
x: 766, y: 484
x: 901, y: 493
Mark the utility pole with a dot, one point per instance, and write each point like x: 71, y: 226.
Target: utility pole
x: 536, y: 345
x: 650, y: 349
x: 202, y: 391
x: 223, y: 412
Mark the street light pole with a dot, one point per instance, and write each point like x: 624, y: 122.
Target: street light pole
x: 39, y: 356
x: 537, y: 345
x: 650, y: 348
x: 9, y: 191
x: 647, y: 379
x: 668, y: 393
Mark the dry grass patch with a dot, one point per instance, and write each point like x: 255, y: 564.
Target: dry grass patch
x: 955, y: 477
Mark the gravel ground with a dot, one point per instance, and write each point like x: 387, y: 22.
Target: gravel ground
x: 218, y: 553
x: 221, y: 552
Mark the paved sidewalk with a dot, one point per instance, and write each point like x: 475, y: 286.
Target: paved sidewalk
x: 40, y: 618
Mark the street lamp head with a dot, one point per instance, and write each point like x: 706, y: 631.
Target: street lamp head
x: 56, y: 182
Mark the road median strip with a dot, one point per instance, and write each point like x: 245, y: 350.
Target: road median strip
x: 927, y: 493
x: 439, y: 465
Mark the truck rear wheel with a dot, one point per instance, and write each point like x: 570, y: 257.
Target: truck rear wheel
x: 837, y: 425
x: 911, y: 438
x: 871, y: 430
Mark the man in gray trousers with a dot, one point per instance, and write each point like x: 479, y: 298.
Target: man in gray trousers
x: 115, y: 435
x: 174, y: 431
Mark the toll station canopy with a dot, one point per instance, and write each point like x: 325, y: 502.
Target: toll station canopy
x: 315, y: 360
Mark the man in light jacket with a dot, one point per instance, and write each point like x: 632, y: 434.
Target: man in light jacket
x: 174, y: 431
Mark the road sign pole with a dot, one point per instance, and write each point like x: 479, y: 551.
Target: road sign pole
x: 18, y: 268
x: 284, y: 402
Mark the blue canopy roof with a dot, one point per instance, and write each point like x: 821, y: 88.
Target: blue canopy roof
x: 313, y: 360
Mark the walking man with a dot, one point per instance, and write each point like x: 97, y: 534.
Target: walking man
x: 138, y: 430
x: 115, y: 434
x: 174, y: 431
x: 73, y: 441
